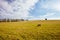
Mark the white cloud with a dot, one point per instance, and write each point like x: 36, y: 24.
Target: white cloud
x: 52, y: 7
x: 56, y: 6
x: 52, y: 4
x: 54, y: 18
x: 16, y: 9
x: 47, y: 15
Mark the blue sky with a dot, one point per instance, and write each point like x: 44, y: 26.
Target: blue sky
x: 47, y: 9
x: 30, y: 9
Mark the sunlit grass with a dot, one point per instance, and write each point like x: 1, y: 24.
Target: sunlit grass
x: 28, y: 30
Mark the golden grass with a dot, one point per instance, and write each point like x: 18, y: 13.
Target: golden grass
x: 28, y: 30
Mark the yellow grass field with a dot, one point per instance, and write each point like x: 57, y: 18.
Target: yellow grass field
x: 29, y: 30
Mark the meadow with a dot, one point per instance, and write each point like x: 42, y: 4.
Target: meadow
x: 30, y: 30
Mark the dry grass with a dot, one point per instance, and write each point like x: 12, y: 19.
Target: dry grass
x: 28, y: 30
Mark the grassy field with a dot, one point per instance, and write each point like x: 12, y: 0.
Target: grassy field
x: 29, y: 30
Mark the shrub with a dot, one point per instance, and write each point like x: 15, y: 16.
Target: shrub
x: 38, y: 25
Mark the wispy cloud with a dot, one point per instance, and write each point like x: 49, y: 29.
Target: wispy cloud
x: 47, y: 15
x: 52, y: 8
x: 31, y: 9
x: 16, y: 8
x: 51, y: 4
x: 46, y: 9
x: 42, y: 17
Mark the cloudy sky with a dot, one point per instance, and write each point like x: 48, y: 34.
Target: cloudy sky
x: 30, y: 9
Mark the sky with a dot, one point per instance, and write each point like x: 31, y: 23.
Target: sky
x: 30, y: 9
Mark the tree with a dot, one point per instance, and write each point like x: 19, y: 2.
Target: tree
x: 45, y: 18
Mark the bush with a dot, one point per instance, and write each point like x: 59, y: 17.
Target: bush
x: 38, y: 25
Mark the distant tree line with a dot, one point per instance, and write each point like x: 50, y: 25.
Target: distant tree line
x: 12, y: 20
